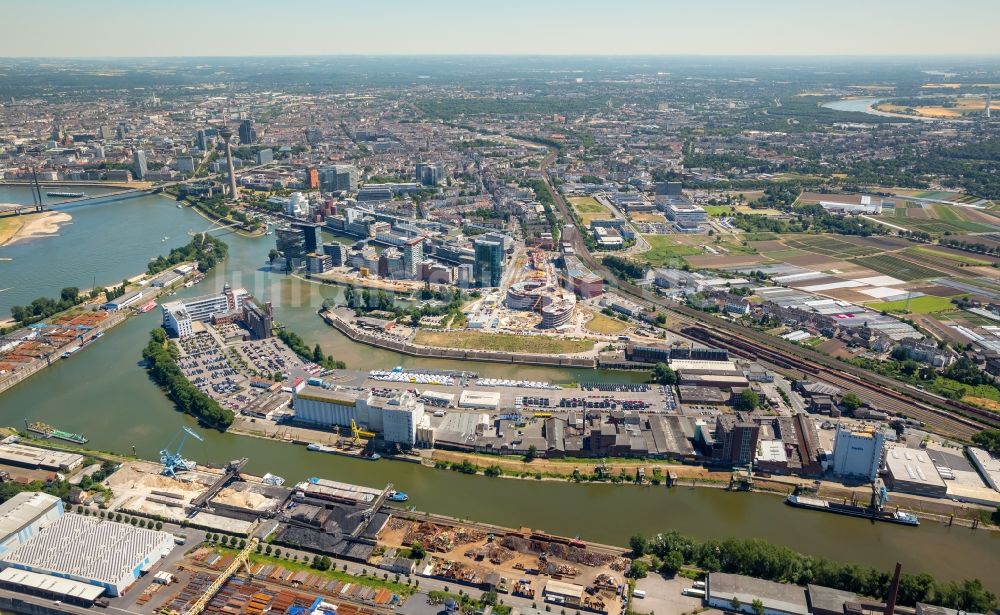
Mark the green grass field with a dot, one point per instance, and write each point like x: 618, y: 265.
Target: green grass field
x: 588, y: 208
x: 719, y: 210
x: 898, y: 268
x: 666, y: 251
x: 927, y: 304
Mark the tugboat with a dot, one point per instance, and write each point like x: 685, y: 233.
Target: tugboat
x: 397, y: 496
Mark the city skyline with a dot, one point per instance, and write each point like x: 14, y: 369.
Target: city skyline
x: 448, y: 27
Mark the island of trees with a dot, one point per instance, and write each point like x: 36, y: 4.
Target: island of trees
x: 161, y: 363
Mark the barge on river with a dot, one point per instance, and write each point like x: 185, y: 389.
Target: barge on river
x: 853, y: 510
x: 48, y: 431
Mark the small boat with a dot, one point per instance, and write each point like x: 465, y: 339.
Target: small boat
x: 397, y: 496
x: 99, y: 334
x: 371, y: 456
x: 70, y: 351
x: 179, y: 206
x: 67, y: 195
x: 148, y: 306
x: 321, y: 448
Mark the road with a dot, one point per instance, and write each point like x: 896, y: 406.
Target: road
x: 948, y: 417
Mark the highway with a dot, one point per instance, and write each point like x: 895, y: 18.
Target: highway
x: 948, y: 417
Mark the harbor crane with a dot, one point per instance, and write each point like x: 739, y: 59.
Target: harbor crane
x: 174, y: 462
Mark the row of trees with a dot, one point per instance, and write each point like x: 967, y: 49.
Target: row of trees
x: 299, y: 347
x: 204, y: 248
x: 758, y: 558
x: 625, y: 267
x: 43, y: 307
x: 162, y: 367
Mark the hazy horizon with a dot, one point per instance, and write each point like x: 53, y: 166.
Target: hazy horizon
x: 715, y: 28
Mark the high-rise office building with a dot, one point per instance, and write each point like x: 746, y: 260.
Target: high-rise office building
x: 312, y: 178
x: 104, y: 132
x: 201, y: 140
x: 139, y: 166
x: 488, y: 267
x: 413, y: 254
x: 227, y: 135
x: 265, y: 156
x: 291, y: 242
x: 339, y: 177
x: 428, y: 174
x: 248, y: 134
x: 312, y: 237
x: 185, y: 164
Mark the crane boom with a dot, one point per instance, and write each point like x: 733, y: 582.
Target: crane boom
x: 241, y: 559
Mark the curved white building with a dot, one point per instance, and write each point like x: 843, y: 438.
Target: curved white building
x: 555, y: 305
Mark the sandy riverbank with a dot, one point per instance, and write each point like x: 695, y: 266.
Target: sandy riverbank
x: 28, y: 226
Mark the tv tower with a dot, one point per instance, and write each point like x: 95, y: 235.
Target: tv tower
x: 989, y: 101
x: 226, y: 135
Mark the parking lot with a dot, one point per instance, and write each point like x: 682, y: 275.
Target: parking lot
x: 265, y: 358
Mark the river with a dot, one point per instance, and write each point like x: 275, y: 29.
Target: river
x: 103, y: 393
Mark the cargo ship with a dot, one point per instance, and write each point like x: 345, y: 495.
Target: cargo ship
x: 67, y: 195
x: 48, y: 431
x: 853, y: 510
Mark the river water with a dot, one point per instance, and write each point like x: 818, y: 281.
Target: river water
x: 103, y: 393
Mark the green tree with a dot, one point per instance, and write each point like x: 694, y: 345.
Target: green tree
x: 758, y: 607
x: 672, y: 563
x: 532, y: 454
x: 638, y: 545
x: 988, y: 439
x: 663, y: 374
x: 735, y: 605
x: 638, y: 570
x: 851, y: 402
x: 747, y: 400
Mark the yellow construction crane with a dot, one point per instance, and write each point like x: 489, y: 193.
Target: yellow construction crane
x: 360, y: 434
x: 241, y: 559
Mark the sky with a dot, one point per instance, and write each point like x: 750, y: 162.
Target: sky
x: 105, y: 28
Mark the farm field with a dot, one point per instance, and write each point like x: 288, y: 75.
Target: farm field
x: 829, y: 245
x: 589, y: 209
x: 922, y: 252
x: 897, y: 267
x: 504, y: 342
x: 920, y: 305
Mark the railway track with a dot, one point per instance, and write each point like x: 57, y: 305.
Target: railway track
x: 949, y: 417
